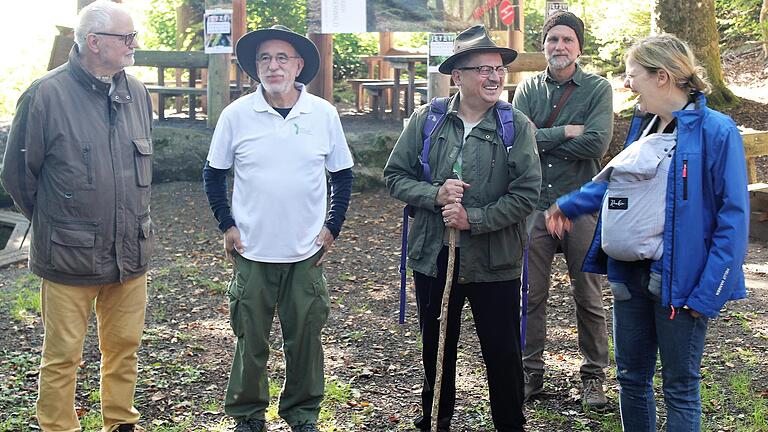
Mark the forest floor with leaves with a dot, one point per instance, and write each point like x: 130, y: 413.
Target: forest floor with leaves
x: 373, y: 372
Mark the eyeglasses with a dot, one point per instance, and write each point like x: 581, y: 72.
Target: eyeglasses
x: 128, y: 38
x: 266, y: 59
x: 486, y: 70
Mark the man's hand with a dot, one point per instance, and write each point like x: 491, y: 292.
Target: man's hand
x: 452, y: 191
x: 455, y: 216
x: 556, y: 221
x: 232, y: 243
x: 572, y: 131
x: 324, y: 239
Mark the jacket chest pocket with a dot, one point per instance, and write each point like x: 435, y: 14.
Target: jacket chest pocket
x: 143, y: 161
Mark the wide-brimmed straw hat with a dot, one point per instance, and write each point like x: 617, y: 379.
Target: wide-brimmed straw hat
x: 475, y: 40
x: 247, y: 48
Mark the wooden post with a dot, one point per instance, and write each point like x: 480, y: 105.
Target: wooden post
x: 239, y: 28
x: 322, y: 85
x: 218, y: 86
x: 385, y: 45
x: 183, y: 18
x: 517, y: 38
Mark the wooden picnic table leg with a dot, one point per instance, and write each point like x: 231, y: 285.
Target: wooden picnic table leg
x: 161, y: 96
x: 396, y: 96
x: 192, y: 100
x: 410, y: 91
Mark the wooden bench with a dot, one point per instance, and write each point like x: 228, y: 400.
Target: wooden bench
x: 357, y: 88
x: 379, y: 89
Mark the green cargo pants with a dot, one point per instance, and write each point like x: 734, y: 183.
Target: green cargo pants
x: 298, y: 291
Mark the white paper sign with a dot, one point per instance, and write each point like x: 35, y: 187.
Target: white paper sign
x: 218, y: 31
x: 343, y: 16
x: 440, y: 48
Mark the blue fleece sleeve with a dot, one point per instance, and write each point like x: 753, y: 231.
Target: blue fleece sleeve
x: 215, y: 186
x: 341, y: 190
x: 587, y: 199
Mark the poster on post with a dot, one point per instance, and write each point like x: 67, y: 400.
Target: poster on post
x: 440, y: 48
x: 556, y: 6
x: 436, y: 16
x: 342, y: 16
x: 218, y: 31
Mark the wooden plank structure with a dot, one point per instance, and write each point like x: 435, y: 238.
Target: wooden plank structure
x: 16, y: 248
x: 755, y: 145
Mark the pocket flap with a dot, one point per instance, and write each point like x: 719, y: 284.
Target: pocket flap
x: 67, y: 237
x: 146, y: 228
x: 143, y: 146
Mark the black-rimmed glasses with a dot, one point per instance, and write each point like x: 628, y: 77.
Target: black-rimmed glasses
x: 128, y: 38
x: 266, y: 59
x: 485, y: 70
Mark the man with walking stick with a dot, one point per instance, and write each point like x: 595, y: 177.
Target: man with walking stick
x: 467, y: 166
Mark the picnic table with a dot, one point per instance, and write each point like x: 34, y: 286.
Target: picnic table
x: 404, y: 63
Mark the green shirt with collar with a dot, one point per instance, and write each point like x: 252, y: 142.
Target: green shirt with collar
x: 566, y: 164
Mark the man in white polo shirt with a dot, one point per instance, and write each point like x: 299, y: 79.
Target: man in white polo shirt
x: 280, y: 140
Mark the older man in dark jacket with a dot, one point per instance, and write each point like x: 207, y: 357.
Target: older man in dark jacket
x: 78, y: 165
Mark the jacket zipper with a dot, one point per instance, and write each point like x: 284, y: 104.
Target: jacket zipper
x: 685, y: 179
x: 672, y: 228
x: 87, y: 161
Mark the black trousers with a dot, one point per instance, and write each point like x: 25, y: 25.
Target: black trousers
x: 496, y: 311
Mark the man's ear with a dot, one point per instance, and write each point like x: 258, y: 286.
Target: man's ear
x: 301, y: 66
x: 456, y: 76
x: 93, y: 42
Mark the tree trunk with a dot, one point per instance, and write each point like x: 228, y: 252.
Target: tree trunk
x: 694, y: 22
x: 764, y: 27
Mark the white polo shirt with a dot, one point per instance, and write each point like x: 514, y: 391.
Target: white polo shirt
x: 279, y: 199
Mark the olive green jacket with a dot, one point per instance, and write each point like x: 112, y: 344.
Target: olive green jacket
x: 504, y: 188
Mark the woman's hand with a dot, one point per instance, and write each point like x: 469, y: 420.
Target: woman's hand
x: 557, y: 223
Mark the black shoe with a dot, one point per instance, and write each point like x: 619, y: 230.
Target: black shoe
x: 250, y: 425
x: 425, y: 423
x: 126, y: 428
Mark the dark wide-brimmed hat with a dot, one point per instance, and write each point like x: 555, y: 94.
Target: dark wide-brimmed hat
x: 247, y: 48
x: 475, y: 40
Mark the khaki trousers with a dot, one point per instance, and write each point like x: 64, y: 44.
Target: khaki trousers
x: 585, y: 288
x: 66, y: 310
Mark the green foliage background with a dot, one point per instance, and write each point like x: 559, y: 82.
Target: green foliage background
x: 612, y: 25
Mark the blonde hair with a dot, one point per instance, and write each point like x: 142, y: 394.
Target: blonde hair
x: 665, y: 51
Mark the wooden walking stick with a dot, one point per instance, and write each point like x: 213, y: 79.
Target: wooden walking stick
x: 443, y: 327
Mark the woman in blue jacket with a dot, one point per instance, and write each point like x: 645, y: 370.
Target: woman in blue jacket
x: 702, y: 235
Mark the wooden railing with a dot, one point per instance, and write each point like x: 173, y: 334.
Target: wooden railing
x: 755, y: 145
x: 194, y: 62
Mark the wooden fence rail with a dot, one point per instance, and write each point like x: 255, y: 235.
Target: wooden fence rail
x: 755, y: 145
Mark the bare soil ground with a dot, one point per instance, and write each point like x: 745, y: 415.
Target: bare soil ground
x: 372, y: 363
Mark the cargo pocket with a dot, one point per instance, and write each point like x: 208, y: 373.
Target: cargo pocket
x: 146, y: 243
x: 73, y: 251
x: 321, y: 305
x: 143, y: 158
x: 234, y: 293
x: 418, y: 234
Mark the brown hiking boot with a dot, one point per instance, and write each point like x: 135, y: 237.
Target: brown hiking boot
x: 592, y: 394
x: 534, y: 384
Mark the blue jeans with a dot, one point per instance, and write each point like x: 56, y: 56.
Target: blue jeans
x: 641, y: 326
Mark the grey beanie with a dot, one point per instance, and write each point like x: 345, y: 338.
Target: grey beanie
x: 566, y: 19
